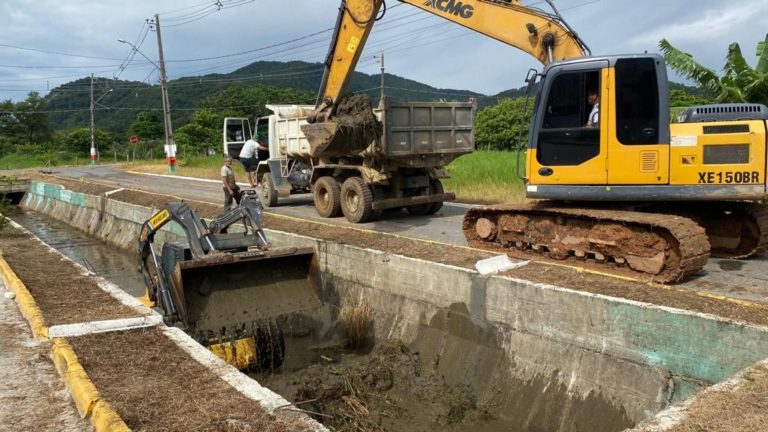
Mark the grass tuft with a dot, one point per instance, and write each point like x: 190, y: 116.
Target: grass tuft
x: 354, y: 321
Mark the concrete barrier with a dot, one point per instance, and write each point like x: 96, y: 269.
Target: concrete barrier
x: 565, y: 352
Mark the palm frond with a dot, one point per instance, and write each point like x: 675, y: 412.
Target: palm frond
x: 737, y: 69
x: 762, y: 53
x: 684, y: 64
x: 730, y: 93
x: 757, y: 91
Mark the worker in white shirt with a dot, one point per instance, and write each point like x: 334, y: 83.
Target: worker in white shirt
x: 249, y: 158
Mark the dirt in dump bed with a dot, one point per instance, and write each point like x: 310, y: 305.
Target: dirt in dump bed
x: 155, y: 386
x: 62, y: 293
x: 742, y: 410
x: 355, y: 111
x: 466, y: 258
x: 385, y: 390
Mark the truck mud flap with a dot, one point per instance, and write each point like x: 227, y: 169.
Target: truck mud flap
x: 230, y: 294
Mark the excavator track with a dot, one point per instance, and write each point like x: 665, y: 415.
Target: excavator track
x: 735, y: 230
x: 664, y: 248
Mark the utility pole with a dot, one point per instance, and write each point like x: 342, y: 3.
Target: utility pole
x: 93, y: 128
x: 381, y: 62
x: 94, y: 150
x: 170, y: 143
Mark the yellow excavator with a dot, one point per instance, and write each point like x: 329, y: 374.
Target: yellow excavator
x: 225, y: 286
x: 616, y: 184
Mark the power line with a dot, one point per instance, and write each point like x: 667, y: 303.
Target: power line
x: 56, y: 52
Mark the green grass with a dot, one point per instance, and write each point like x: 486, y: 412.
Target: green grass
x: 486, y: 177
x: 21, y: 161
x: 208, y: 167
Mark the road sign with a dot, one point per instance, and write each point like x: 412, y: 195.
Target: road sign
x: 134, y: 139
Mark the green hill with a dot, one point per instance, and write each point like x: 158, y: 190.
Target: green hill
x: 68, y: 104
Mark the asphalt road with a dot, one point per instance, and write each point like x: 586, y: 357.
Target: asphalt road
x: 444, y: 227
x: 747, y: 280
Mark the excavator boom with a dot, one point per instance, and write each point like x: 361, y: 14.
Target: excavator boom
x: 544, y: 36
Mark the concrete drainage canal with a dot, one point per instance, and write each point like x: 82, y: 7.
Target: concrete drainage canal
x: 407, y: 345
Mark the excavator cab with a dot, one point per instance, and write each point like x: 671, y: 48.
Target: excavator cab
x: 226, y: 286
x: 629, y: 143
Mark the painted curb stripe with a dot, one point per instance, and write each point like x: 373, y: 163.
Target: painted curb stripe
x: 81, y: 329
x: 86, y: 397
x: 24, y: 299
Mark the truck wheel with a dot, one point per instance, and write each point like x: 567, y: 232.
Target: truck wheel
x: 435, y: 186
x: 268, y: 193
x: 327, y: 193
x: 419, y: 209
x: 356, y: 200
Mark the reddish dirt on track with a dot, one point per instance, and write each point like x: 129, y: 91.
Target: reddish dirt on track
x: 543, y: 272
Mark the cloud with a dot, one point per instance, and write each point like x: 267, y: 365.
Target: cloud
x: 715, y: 24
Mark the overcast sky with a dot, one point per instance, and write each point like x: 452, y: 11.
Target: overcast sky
x: 416, y: 45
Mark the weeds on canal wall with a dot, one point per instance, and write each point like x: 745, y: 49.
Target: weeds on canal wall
x: 354, y: 321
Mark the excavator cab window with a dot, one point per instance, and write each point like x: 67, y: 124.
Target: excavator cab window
x: 563, y: 137
x: 637, y: 101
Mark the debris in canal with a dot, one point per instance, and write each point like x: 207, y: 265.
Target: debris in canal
x: 387, y: 389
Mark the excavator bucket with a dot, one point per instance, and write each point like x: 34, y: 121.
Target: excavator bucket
x: 230, y: 295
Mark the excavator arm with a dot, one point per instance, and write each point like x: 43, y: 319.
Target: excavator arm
x: 545, y: 36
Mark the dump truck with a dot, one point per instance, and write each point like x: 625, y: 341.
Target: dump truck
x: 397, y: 161
x: 226, y: 286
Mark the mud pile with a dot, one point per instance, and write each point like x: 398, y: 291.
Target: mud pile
x: 355, y: 115
x: 386, y: 390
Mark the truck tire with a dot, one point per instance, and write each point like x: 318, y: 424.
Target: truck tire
x: 435, y: 186
x: 268, y: 193
x: 356, y: 200
x: 327, y: 194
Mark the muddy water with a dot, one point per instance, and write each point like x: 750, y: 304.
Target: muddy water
x: 109, y: 262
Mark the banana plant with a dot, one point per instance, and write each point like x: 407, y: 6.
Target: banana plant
x: 739, y: 81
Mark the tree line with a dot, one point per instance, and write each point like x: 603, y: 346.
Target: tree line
x: 25, y: 128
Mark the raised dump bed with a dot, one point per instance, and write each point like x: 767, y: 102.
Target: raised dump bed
x: 410, y: 344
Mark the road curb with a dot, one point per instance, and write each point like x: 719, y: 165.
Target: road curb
x: 87, y: 400
x: 24, y: 299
